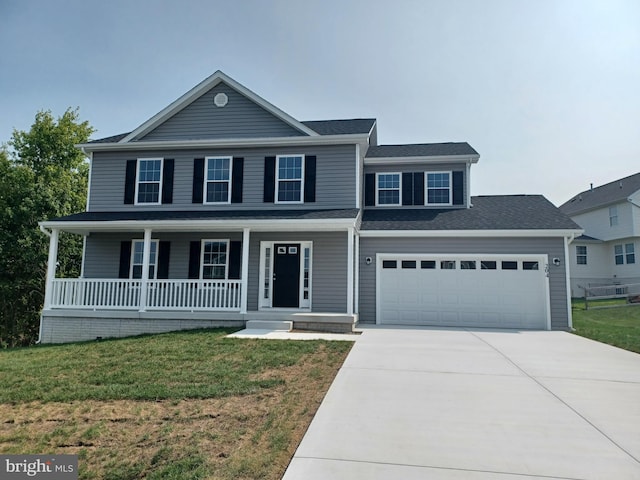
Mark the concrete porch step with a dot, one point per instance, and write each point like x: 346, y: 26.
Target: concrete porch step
x: 281, y: 325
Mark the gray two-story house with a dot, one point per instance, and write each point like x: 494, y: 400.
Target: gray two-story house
x: 222, y: 209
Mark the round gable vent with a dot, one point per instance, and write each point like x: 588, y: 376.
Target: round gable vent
x: 220, y: 100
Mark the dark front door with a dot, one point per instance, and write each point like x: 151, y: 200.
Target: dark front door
x: 286, y: 275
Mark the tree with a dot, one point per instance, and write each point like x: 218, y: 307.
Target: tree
x: 44, y: 176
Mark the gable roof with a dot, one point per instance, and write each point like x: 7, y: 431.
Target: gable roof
x: 612, y: 192
x: 421, y: 150
x: 202, y: 88
x: 498, y: 212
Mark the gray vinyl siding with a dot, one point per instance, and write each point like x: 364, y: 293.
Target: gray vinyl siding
x: 329, y: 260
x: 102, y: 253
x: 335, y: 178
x: 553, y: 247
x: 328, y: 268
x: 406, y: 167
x: 240, y: 118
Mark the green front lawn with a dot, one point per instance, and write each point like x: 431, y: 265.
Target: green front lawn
x: 615, y: 325
x: 188, y: 405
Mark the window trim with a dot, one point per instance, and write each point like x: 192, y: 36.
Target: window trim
x: 426, y: 189
x: 202, y: 265
x: 581, y: 255
x: 206, y: 181
x: 133, y: 252
x: 377, y: 199
x: 138, y: 181
x: 277, y: 177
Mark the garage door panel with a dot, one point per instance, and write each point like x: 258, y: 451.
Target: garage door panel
x: 485, y: 296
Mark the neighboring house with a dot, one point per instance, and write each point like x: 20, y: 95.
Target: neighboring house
x: 222, y: 209
x: 610, y: 217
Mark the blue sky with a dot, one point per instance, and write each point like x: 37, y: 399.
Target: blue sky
x: 548, y: 91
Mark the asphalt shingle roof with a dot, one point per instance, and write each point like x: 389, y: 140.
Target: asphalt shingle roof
x: 322, y: 127
x: 421, y: 150
x: 209, y: 215
x: 503, y: 212
x: 341, y: 127
x: 609, y: 193
x: 111, y: 139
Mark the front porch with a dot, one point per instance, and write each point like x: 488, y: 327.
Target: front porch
x: 153, y: 278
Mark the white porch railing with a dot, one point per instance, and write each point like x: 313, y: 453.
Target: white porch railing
x: 194, y: 295
x: 107, y: 294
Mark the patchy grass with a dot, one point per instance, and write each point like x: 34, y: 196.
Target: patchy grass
x: 190, y: 405
x: 615, y: 325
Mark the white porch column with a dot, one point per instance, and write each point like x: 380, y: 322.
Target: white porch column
x: 146, y: 255
x: 51, y: 266
x: 244, y: 275
x: 350, y: 234
x: 356, y: 294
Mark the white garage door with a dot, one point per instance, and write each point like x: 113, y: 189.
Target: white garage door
x: 499, y: 291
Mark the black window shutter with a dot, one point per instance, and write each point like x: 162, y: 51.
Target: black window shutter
x: 236, y: 179
x: 194, y: 259
x: 167, y: 181
x: 125, y: 258
x: 369, y: 189
x: 458, y: 188
x: 235, y: 260
x: 198, y: 180
x: 130, y: 182
x: 164, y: 248
x: 418, y: 188
x: 407, y: 188
x: 310, y: 178
x: 269, y: 179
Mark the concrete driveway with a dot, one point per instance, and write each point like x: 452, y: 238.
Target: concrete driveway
x: 416, y: 403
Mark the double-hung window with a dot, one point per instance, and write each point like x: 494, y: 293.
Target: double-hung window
x: 289, y: 175
x: 624, y: 254
x: 137, y: 256
x: 629, y: 253
x: 581, y: 254
x: 618, y: 254
x: 149, y: 180
x: 613, y: 216
x: 438, y: 185
x: 214, y: 262
x: 217, y: 180
x: 388, y: 188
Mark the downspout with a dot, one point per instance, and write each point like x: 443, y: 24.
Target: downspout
x: 48, y: 234
x: 468, y: 183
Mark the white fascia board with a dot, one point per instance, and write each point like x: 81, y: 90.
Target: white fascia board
x: 228, y: 143
x: 430, y: 159
x: 265, y: 225
x: 202, y: 88
x: 468, y: 233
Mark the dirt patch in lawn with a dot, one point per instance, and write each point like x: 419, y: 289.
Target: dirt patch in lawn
x: 249, y: 436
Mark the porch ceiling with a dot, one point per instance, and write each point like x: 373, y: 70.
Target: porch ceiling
x: 206, y: 220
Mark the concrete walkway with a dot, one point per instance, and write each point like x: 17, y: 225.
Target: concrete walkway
x: 416, y: 403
